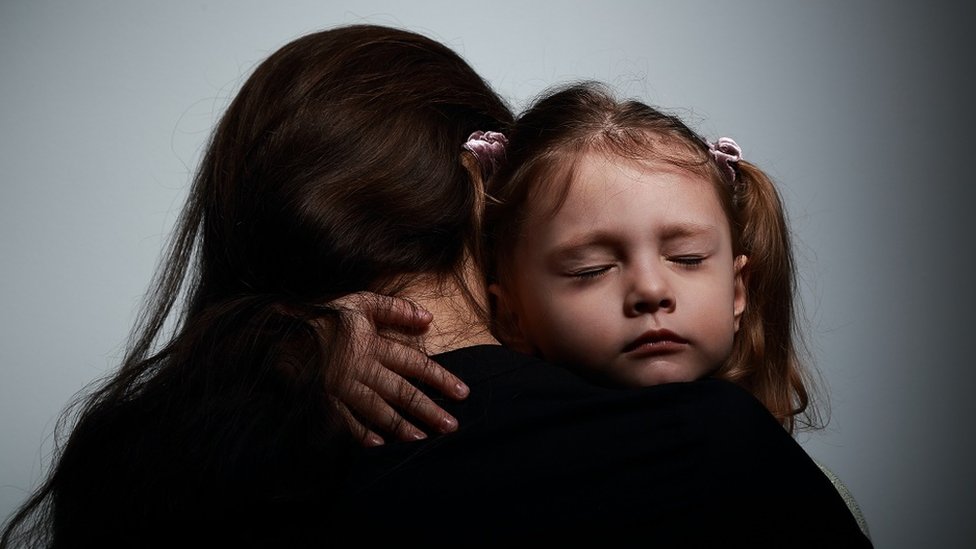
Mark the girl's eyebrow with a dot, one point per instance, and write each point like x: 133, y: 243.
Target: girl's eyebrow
x: 687, y: 230
x: 575, y: 246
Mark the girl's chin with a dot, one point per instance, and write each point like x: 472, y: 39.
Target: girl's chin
x: 657, y: 372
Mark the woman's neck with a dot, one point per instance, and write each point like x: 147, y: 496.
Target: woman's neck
x: 457, y: 322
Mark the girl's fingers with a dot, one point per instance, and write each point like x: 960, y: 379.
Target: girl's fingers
x: 377, y: 390
x: 393, y: 311
x: 411, y: 363
x: 366, y: 404
x: 359, y: 431
x: 386, y: 310
x: 401, y: 358
x: 397, y: 392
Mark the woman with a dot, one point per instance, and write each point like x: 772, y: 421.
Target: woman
x: 337, y: 170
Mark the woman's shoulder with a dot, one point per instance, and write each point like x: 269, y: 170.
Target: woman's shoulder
x: 481, y: 363
x: 512, y: 384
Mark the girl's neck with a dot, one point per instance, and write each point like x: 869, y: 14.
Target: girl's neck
x: 457, y: 310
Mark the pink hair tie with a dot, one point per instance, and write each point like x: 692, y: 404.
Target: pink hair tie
x: 727, y: 154
x: 488, y: 148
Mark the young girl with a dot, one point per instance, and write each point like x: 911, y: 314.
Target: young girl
x: 628, y: 248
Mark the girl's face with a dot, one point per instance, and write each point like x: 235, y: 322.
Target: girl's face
x: 632, y: 279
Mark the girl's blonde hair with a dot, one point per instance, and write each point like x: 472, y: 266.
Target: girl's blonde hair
x: 544, y: 147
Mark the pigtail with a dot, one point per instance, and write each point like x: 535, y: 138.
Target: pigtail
x: 483, y: 154
x: 765, y: 358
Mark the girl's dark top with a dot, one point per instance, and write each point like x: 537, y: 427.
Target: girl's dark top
x: 540, y: 454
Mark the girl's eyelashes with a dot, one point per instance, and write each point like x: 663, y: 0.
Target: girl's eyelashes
x: 690, y: 261
x: 590, y: 272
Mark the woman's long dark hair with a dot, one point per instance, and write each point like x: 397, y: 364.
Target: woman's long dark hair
x: 335, y: 169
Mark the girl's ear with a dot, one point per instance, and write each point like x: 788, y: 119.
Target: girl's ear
x: 506, y: 320
x: 739, y: 295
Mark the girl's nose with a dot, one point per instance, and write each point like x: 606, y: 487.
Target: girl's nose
x: 649, y: 292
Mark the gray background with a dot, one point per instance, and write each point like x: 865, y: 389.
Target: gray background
x: 861, y: 111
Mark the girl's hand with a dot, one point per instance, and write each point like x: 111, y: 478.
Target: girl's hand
x: 374, y: 387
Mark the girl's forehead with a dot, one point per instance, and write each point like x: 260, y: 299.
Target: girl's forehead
x: 630, y: 203
x: 600, y: 161
x: 596, y: 177
x: 597, y: 170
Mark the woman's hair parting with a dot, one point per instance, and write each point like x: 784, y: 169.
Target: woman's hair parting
x: 336, y: 168
x: 544, y: 148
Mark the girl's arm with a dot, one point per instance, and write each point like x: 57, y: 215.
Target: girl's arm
x: 377, y: 392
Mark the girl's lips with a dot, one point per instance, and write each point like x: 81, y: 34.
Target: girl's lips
x: 654, y: 342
